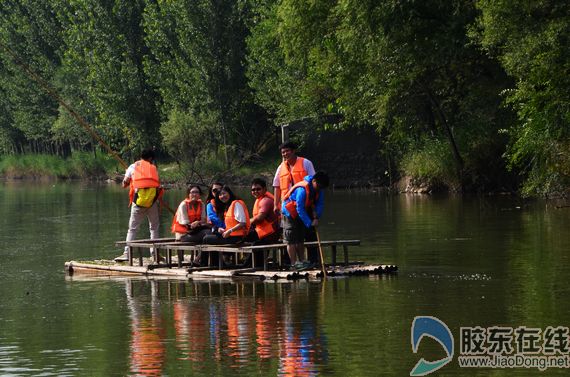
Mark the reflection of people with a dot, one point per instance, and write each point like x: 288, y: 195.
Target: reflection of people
x: 191, y: 330
x: 147, y: 349
x: 189, y: 223
x: 144, y: 189
x: 302, y: 207
x: 303, y: 344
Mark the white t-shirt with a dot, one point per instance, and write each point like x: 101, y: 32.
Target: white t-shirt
x: 182, y: 214
x: 239, y: 213
x: 307, y: 165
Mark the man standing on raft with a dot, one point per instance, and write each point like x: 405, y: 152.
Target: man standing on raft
x: 144, y: 189
x: 302, y: 207
x: 291, y: 171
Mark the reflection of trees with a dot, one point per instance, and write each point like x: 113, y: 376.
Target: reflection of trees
x: 147, y: 349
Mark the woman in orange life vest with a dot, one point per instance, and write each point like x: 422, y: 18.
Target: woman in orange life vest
x: 236, y: 219
x: 264, y: 223
x: 189, y: 223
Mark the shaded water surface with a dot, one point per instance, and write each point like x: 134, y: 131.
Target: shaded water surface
x: 468, y: 261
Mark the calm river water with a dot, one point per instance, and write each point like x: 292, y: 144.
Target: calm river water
x: 469, y: 261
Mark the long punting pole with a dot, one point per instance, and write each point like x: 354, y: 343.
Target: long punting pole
x: 323, y: 268
x: 74, y: 113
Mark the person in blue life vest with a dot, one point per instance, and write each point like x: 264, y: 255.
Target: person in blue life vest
x: 302, y: 207
x: 211, y: 212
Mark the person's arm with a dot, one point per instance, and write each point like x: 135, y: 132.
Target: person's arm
x: 239, y: 215
x: 182, y: 214
x: 264, y: 207
x: 309, y: 168
x: 128, y: 176
x: 320, y: 205
x: 276, y: 193
x: 213, y: 217
x: 203, y: 219
x: 300, y: 198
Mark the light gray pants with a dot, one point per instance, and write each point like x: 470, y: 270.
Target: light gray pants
x: 137, y: 216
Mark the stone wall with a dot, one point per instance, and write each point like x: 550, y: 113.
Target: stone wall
x: 350, y: 157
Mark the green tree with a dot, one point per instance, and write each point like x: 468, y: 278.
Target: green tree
x: 531, y: 40
x: 104, y: 53
x: 197, y: 65
x: 32, y: 33
x: 405, y: 68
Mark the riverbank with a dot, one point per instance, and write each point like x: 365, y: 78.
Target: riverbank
x: 98, y: 167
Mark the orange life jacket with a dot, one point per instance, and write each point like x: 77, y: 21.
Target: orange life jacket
x: 145, y: 175
x: 194, y: 214
x: 309, y: 202
x: 265, y: 227
x: 230, y: 220
x: 290, y: 177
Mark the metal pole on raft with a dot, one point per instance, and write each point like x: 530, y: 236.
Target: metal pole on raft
x: 285, y: 132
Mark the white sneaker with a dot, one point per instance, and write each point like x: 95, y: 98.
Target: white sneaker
x: 122, y: 258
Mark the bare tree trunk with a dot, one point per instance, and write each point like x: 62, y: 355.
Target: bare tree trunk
x: 458, y: 159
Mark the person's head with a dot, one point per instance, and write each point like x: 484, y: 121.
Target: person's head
x: 288, y: 150
x: 224, y: 199
x: 258, y: 187
x: 226, y: 195
x: 213, y: 190
x: 147, y: 155
x: 320, y: 180
x: 193, y: 192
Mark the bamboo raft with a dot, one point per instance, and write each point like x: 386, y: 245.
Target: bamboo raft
x: 171, y: 260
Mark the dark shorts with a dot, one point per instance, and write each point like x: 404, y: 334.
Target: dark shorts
x: 293, y: 230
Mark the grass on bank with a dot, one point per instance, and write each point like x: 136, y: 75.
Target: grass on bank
x: 78, y: 165
x: 84, y: 165
x: 431, y: 162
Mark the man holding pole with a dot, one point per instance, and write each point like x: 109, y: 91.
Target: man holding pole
x: 291, y: 171
x: 302, y: 207
x: 144, y: 189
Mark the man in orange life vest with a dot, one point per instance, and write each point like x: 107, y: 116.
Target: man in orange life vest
x: 291, y: 171
x: 302, y: 207
x: 144, y: 189
x: 264, y: 223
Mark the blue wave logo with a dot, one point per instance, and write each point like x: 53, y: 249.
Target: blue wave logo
x: 435, y: 329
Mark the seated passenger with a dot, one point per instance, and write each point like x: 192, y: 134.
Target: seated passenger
x: 236, y: 219
x: 264, y: 223
x: 211, y: 206
x: 189, y: 223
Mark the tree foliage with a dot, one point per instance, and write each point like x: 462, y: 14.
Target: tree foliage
x: 457, y: 90
x: 531, y: 41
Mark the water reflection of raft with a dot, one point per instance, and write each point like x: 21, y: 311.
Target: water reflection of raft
x: 176, y: 256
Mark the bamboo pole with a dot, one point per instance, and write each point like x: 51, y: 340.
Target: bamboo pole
x: 73, y: 113
x: 323, y: 268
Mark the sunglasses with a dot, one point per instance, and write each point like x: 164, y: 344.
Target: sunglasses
x: 194, y: 192
x: 215, y: 191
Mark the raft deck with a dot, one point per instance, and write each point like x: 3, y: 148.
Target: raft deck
x: 169, y: 260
